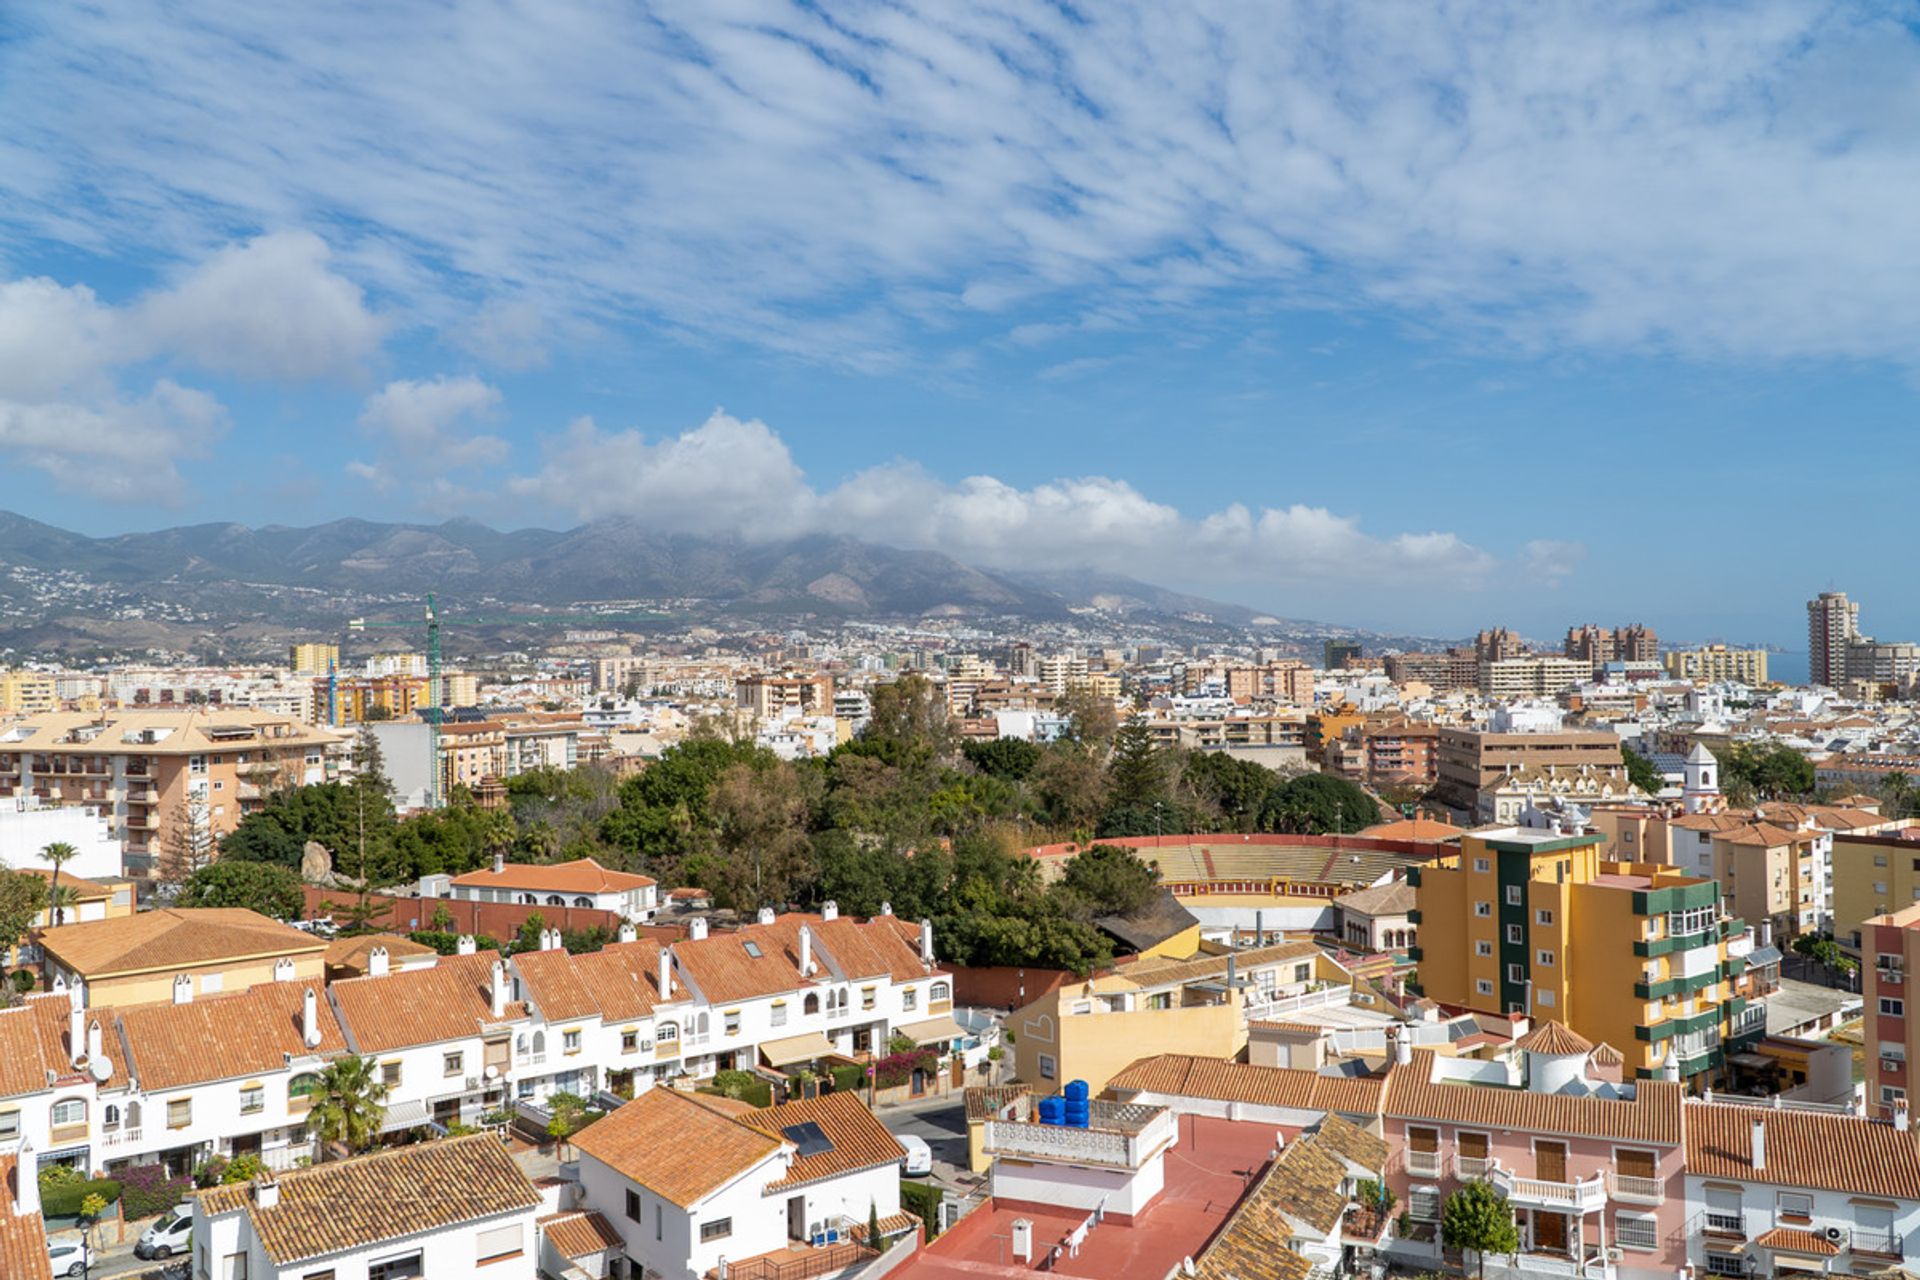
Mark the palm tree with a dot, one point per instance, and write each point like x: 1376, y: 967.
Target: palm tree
x: 59, y: 899
x: 349, y: 1104
x: 1898, y: 788
x: 59, y: 853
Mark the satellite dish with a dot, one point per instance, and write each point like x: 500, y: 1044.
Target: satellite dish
x: 493, y: 1072
x: 101, y: 1068
x: 313, y: 1038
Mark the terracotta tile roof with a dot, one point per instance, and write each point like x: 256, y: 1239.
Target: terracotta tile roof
x: 579, y: 1235
x: 450, y: 1001
x: 33, y: 1045
x: 582, y: 875
x: 1796, y: 1240
x: 1252, y: 1243
x: 1804, y: 1149
x: 1652, y: 1116
x: 674, y: 1147
x: 859, y: 1140
x: 1605, y: 1055
x: 81, y: 888
x: 620, y: 982
x: 354, y: 1203
x: 352, y: 953
x: 23, y: 1237
x: 1346, y: 1139
x: 1554, y: 1037
x: 173, y: 937
x: 721, y: 966
x: 255, y: 1030
x: 983, y: 1102
x: 1185, y: 1076
x: 180, y: 732
x: 1394, y: 899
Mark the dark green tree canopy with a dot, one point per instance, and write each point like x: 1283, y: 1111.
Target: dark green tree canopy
x: 266, y: 887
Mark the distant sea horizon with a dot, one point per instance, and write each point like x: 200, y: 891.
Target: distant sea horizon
x: 1787, y: 668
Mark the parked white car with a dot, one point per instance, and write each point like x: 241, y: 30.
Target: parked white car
x: 918, y: 1162
x: 171, y: 1233
x: 69, y: 1257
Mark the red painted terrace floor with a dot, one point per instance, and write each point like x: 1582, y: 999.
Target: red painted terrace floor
x: 1207, y: 1172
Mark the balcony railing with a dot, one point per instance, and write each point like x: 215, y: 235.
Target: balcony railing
x: 1567, y: 1197
x: 694, y: 1039
x: 1472, y: 1168
x: 1424, y: 1164
x: 1728, y: 1224
x: 1882, y: 1244
x: 1627, y: 1186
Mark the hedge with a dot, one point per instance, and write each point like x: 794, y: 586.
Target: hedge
x: 759, y: 1093
x: 63, y: 1200
x: 923, y: 1198
x: 848, y: 1076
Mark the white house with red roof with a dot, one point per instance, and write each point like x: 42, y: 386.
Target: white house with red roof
x: 579, y: 883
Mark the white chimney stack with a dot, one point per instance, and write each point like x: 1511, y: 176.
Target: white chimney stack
x: 94, y: 1041
x: 76, y: 1029
x: 183, y: 989
x: 1759, y: 1144
x: 697, y: 929
x: 806, y: 952
x: 765, y: 916
x: 26, y: 1191
x: 666, y: 974
x: 1901, y: 1117
x: 886, y: 908
x: 830, y: 910
x: 499, y: 863
x: 499, y: 988
x: 310, y: 1019
x: 926, y: 942
x: 627, y: 932
x: 1403, y: 1047
x: 377, y: 962
x: 550, y: 940
x: 266, y: 1192
x: 465, y: 945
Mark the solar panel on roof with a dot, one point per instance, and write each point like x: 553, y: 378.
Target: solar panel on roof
x: 753, y: 949
x: 809, y: 1137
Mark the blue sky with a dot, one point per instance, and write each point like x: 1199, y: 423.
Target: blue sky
x: 1419, y: 317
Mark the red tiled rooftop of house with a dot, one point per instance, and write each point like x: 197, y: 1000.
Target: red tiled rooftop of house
x: 1207, y: 1172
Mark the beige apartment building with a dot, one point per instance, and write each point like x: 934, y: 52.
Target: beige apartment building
x: 783, y: 697
x: 1717, y: 662
x: 1874, y: 873
x: 142, y: 768
x: 28, y: 692
x: 1890, y: 1033
x: 1472, y: 762
x: 1532, y: 676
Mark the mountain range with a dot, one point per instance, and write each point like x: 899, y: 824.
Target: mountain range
x: 229, y: 584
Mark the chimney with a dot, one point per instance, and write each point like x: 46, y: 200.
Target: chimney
x: 666, y: 974
x: 830, y: 910
x: 1766, y: 932
x: 697, y: 929
x: 76, y: 1029
x: 765, y: 916
x: 1759, y: 1143
x: 182, y: 989
x: 1259, y: 928
x: 499, y: 863
x: 1233, y: 969
x: 499, y: 991
x: 95, y: 1048
x: 1403, y: 1047
x: 310, y: 1019
x: 886, y: 908
x: 26, y: 1190
x: 806, y: 952
x: 465, y: 945
x: 377, y: 963
x: 627, y: 932
x: 926, y: 942
x: 266, y: 1192
x: 1901, y: 1117
x: 549, y: 939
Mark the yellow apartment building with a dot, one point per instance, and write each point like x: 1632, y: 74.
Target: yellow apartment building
x: 1873, y: 874
x: 177, y: 953
x: 1631, y: 954
x: 27, y: 693
x: 313, y: 659
x: 1717, y: 662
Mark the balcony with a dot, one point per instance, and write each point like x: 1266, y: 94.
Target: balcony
x: 1119, y: 1135
x: 1564, y: 1197
x: 1877, y: 1244
x: 1424, y: 1164
x: 1724, y: 1224
x: 1636, y: 1190
x: 1472, y: 1168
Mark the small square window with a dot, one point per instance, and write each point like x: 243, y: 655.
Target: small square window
x: 1516, y: 973
x: 451, y: 1063
x: 253, y: 1100
x: 1515, y: 934
x: 1482, y: 865
x: 1483, y: 909
x: 390, y: 1074
x: 732, y: 1022
x: 629, y: 1041
x: 1543, y: 957
x: 1515, y: 895
x: 570, y: 1041
x: 1543, y: 916
x: 1484, y: 987
x: 1483, y: 948
x: 1048, y: 1067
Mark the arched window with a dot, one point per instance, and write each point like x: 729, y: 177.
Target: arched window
x: 133, y: 1115
x: 700, y: 1023
x: 528, y: 899
x: 67, y: 1112
x: 111, y: 1117
x: 555, y: 900
x: 811, y: 1004
x: 303, y: 1086
x: 940, y: 991
x: 539, y: 1042
x: 583, y: 902
x: 665, y: 1033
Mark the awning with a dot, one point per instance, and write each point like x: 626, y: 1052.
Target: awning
x: 932, y: 1031
x: 1755, y: 1060
x: 784, y: 1053
x: 406, y: 1115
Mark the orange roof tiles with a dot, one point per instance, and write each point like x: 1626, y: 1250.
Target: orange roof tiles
x: 859, y: 1140
x: 1186, y: 1076
x: 33, y: 1045
x: 674, y: 1147
x: 1795, y: 1240
x: 1653, y: 1115
x: 1553, y: 1037
x: 724, y: 970
x: 579, y: 1235
x: 353, y: 953
x: 620, y: 982
x: 333, y: 1207
x: 23, y: 1236
x: 1804, y: 1149
x: 173, y: 937
x: 451, y: 1000
x: 225, y: 1036
x: 582, y: 875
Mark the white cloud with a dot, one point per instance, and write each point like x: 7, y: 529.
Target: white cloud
x: 268, y: 308
x: 1716, y: 179
x: 427, y: 420
x: 728, y: 476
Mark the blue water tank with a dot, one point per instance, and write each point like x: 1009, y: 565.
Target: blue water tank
x: 1053, y: 1111
x: 1077, y: 1090
x: 1079, y: 1113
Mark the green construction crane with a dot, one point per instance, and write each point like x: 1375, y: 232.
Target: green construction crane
x: 433, y: 710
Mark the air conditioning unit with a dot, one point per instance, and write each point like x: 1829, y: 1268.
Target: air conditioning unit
x: 1892, y: 1064
x: 1834, y: 1233
x: 473, y: 1082
x: 1894, y: 976
x: 646, y: 1046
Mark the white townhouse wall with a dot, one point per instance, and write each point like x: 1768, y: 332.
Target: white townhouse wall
x: 45, y: 1096
x: 1799, y: 1189
x: 444, y: 1037
x: 459, y: 1207
x: 580, y: 883
x: 593, y: 1019
x: 688, y: 1183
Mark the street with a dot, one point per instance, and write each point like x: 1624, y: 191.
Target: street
x: 942, y: 1124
